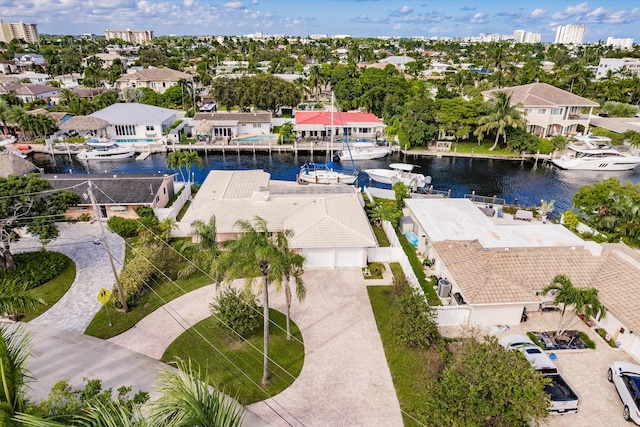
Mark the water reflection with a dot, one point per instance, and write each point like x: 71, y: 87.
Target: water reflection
x: 509, y: 179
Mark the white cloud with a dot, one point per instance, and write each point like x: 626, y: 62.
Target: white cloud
x: 254, y: 1
x: 406, y: 9
x: 596, y: 13
x: 478, y: 18
x: 538, y: 13
x: 188, y: 3
x: 397, y: 27
x: 234, y: 4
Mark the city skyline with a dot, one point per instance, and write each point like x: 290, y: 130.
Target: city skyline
x: 358, y: 18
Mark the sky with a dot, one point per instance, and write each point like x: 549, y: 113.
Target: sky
x: 358, y: 18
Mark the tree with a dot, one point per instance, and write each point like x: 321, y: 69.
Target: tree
x: 584, y: 301
x: 256, y: 253
x: 292, y: 264
x: 14, y: 350
x: 4, y: 110
x: 486, y: 385
x: 15, y: 297
x: 500, y: 116
x: 23, y: 205
x: 131, y: 94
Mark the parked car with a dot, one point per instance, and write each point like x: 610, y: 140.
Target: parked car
x: 626, y: 377
x: 534, y: 354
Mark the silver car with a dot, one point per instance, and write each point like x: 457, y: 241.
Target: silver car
x: 626, y: 377
x: 534, y: 354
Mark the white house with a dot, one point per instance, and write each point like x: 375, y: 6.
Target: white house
x: 223, y: 125
x: 29, y: 92
x: 498, y: 266
x: 330, y: 227
x: 617, y: 65
x: 132, y: 122
x: 158, y: 79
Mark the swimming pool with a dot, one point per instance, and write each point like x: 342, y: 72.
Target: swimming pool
x: 257, y: 138
x: 134, y: 140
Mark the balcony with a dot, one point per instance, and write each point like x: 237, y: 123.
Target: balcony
x: 577, y: 116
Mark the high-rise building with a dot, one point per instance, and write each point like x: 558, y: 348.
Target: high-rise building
x: 570, y: 34
x: 620, y: 43
x: 518, y: 36
x: 522, y: 36
x: 130, y: 36
x: 19, y: 30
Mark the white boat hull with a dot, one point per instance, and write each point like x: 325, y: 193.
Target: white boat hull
x: 365, y: 154
x: 390, y: 176
x: 599, y: 164
x: 327, y: 177
x: 115, y: 153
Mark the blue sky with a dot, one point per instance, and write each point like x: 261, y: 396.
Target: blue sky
x: 362, y: 18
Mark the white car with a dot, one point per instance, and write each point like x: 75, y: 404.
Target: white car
x: 626, y: 377
x: 534, y: 354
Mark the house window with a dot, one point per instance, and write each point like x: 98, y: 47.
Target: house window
x: 164, y: 84
x: 363, y: 130
x: 528, y: 111
x: 153, y: 84
x: 542, y: 111
x: 150, y: 128
x: 164, y: 190
x: 556, y: 111
x: 257, y: 125
x: 125, y: 130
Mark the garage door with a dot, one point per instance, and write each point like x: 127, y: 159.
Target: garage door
x: 349, y: 257
x: 332, y: 258
x: 319, y: 258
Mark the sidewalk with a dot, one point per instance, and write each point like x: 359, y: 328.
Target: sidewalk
x: 75, y: 310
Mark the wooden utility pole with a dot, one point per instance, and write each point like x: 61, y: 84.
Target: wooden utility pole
x: 98, y: 215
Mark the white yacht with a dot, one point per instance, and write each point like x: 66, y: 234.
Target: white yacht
x: 104, y: 151
x: 323, y: 173
x: 363, y: 151
x: 399, y: 172
x: 595, y: 153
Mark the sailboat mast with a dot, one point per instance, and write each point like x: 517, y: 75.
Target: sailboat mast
x: 331, y: 146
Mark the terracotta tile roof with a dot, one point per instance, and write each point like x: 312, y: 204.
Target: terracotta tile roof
x: 324, y: 118
x: 542, y: 95
x: 493, y: 276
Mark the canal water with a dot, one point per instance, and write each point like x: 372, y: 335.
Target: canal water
x: 525, y: 181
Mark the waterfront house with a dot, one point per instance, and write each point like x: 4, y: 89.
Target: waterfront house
x: 353, y: 125
x: 497, y: 267
x: 329, y: 224
x: 224, y: 125
x: 29, y: 92
x: 116, y: 194
x: 58, y: 117
x: 549, y: 111
x: 133, y: 122
x: 158, y: 79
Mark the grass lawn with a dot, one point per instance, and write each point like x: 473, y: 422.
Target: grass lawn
x: 52, y: 290
x: 99, y: 326
x: 425, y: 283
x: 410, y: 367
x: 383, y: 241
x: 228, y: 351
x: 468, y: 146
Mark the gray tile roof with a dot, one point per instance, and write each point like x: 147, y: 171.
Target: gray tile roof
x: 258, y: 117
x: 112, y: 189
x: 134, y: 114
x: 542, y: 95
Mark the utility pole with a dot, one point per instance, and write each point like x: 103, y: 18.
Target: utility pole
x: 98, y: 214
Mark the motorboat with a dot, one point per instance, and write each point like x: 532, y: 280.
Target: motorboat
x: 66, y: 148
x: 595, y: 153
x: 103, y: 151
x: 7, y: 139
x: 323, y: 173
x: 399, y: 172
x: 363, y: 151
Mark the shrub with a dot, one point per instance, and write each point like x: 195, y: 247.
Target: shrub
x: 604, y: 334
x: 535, y: 339
x: 238, y: 311
x: 571, y: 220
x: 586, y: 340
x: 37, y: 267
x: 414, y: 324
x: 417, y: 268
x: 85, y: 217
x: 123, y: 227
x: 545, y: 146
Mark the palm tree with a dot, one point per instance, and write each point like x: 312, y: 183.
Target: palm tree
x: 15, y: 297
x: 257, y: 254
x: 4, y: 110
x: 206, y: 253
x: 189, y: 159
x: 18, y: 115
x: 584, y: 301
x: 14, y: 350
x: 500, y: 116
x: 292, y: 264
x: 173, y: 162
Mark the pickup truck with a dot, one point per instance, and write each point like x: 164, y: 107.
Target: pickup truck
x: 563, y: 399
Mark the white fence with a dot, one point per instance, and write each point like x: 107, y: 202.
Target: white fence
x: 173, y: 211
x: 451, y: 315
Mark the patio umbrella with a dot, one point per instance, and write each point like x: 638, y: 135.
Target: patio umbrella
x: 84, y: 123
x: 10, y: 164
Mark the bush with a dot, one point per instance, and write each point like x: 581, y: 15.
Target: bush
x: 238, y: 311
x: 37, y: 267
x: 417, y: 268
x: 604, y: 334
x: 571, y: 220
x: 545, y: 146
x: 586, y: 340
x: 375, y: 270
x: 535, y: 339
x: 85, y: 217
x: 414, y: 324
x: 123, y: 227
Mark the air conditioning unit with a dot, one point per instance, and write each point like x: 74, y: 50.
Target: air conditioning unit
x: 444, y: 288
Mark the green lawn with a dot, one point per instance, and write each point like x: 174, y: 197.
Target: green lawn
x: 425, y: 283
x: 383, y: 241
x: 410, y: 367
x: 225, y: 357
x: 164, y: 292
x: 52, y: 290
x: 467, y: 147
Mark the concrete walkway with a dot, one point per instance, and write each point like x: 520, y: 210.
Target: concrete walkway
x: 345, y: 380
x: 74, y: 311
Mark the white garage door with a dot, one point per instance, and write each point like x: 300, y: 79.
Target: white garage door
x: 332, y: 258
x: 349, y: 257
x: 319, y: 258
